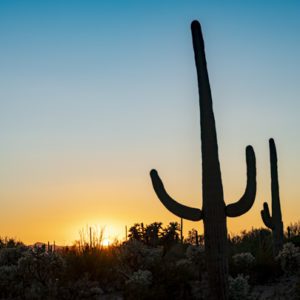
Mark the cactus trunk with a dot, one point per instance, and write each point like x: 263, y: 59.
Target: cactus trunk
x: 215, y: 229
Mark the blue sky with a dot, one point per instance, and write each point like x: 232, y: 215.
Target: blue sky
x: 96, y: 93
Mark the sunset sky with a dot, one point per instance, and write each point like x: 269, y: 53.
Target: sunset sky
x: 94, y: 94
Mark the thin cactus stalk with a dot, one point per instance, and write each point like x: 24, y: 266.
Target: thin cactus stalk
x: 197, y: 239
x: 214, y: 210
x: 289, y: 232
x: 181, y: 230
x: 274, y: 222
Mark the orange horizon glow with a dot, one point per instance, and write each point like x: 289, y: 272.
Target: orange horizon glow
x: 67, y: 207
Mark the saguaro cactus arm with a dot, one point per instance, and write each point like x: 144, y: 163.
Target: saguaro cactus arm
x: 173, y: 206
x: 245, y: 203
x: 266, y: 217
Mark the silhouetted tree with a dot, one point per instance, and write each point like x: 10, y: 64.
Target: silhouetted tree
x: 153, y: 233
x: 136, y: 232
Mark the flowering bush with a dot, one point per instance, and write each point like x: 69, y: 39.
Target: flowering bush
x: 289, y: 258
x: 239, y: 288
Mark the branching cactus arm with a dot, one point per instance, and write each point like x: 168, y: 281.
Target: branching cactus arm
x: 266, y: 217
x: 173, y: 206
x: 245, y: 203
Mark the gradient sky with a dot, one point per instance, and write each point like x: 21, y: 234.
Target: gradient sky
x: 96, y: 93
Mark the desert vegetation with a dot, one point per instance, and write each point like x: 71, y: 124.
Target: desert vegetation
x: 154, y: 263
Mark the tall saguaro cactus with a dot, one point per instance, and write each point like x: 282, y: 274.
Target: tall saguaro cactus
x: 274, y: 222
x: 214, y: 211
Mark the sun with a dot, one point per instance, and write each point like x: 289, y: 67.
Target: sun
x: 105, y: 242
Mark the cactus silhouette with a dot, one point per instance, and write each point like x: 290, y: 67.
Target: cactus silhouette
x: 214, y: 210
x: 274, y: 222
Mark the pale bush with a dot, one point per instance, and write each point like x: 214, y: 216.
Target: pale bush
x: 243, y: 260
x: 239, y: 288
x: 131, y: 254
x: 140, y: 278
x: 138, y: 285
x: 289, y: 258
x: 151, y: 257
x: 185, y: 263
x: 136, y: 255
x: 40, y: 273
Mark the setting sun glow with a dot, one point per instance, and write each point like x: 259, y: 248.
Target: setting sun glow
x: 105, y: 242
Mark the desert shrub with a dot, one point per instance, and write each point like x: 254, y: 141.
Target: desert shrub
x: 294, y: 229
x: 8, y: 242
x: 239, y: 288
x: 11, y: 251
x: 141, y: 278
x: 258, y: 243
x: 195, y: 254
x: 194, y: 238
x: 10, y: 256
x: 82, y: 288
x: 243, y: 262
x: 251, y: 241
x: 98, y: 264
x: 297, y: 290
x: 171, y: 271
x: 10, y: 283
x: 295, y: 240
x: 289, y: 258
x: 173, y: 279
x: 175, y: 253
x: 265, y: 267
x: 293, y: 233
x: 131, y: 255
x: 137, y: 286
x: 151, y: 257
x: 40, y: 274
x: 185, y: 266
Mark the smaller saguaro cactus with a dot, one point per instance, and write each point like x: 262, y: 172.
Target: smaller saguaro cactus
x: 274, y: 222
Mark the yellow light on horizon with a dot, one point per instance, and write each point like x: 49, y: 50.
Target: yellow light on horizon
x: 106, y: 242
